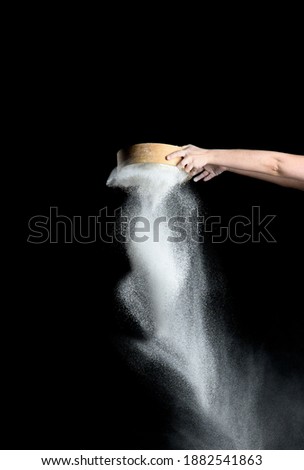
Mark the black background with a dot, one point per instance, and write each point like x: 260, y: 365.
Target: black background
x: 82, y: 100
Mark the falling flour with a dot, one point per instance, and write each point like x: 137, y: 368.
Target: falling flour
x: 215, y: 389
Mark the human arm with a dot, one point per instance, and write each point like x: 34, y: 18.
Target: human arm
x: 210, y: 171
x: 257, y: 162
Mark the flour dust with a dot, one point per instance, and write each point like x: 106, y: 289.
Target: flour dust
x: 214, y: 385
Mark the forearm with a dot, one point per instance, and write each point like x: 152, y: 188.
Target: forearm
x: 287, y: 182
x: 274, y: 164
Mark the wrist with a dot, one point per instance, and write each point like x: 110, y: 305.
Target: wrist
x: 217, y: 157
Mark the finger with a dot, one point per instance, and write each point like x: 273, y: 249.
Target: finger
x: 185, y: 161
x: 195, y: 171
x: 188, y: 168
x: 178, y: 154
x: 199, y: 177
x: 202, y: 175
x: 209, y: 177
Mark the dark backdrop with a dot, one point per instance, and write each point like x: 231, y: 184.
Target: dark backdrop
x: 66, y: 381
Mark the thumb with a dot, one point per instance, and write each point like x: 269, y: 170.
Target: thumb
x: 178, y: 154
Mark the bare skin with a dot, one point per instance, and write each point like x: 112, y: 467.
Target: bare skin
x: 279, y: 168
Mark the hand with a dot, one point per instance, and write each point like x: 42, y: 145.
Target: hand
x: 194, y: 159
x: 209, y: 172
